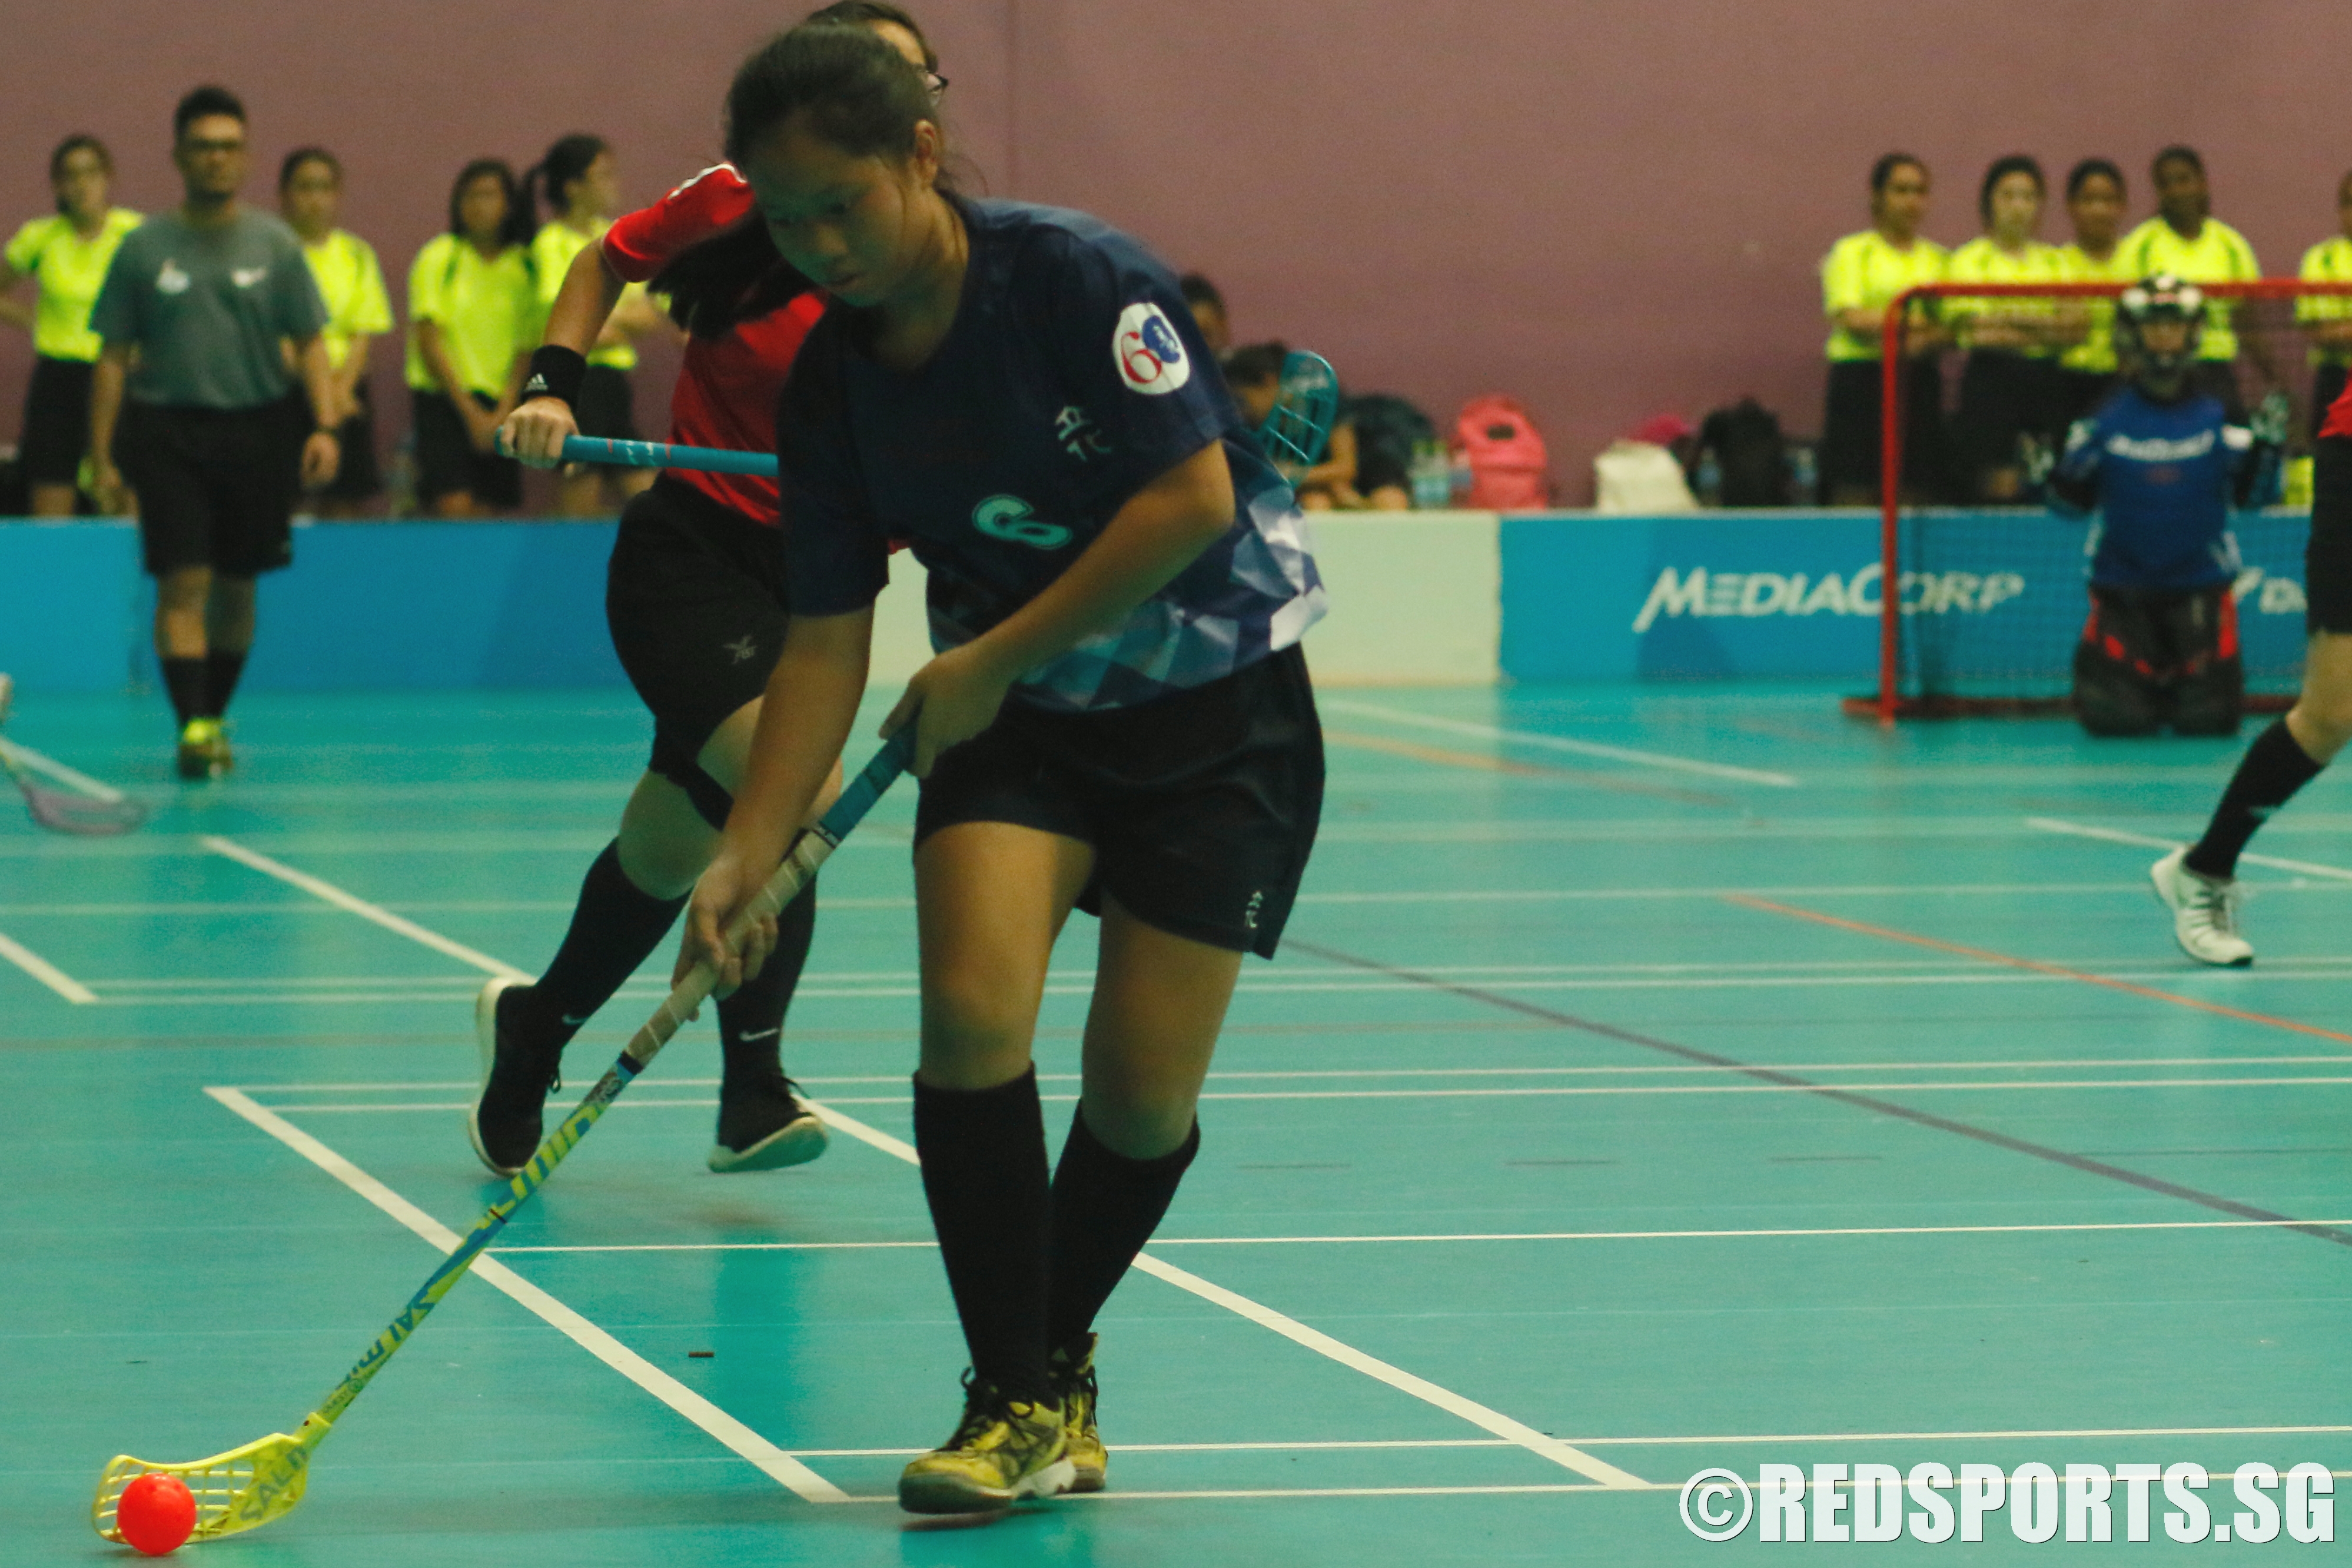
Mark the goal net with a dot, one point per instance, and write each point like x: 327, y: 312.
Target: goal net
x: 1991, y: 590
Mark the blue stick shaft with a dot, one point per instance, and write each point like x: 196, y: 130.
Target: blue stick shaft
x: 661, y: 455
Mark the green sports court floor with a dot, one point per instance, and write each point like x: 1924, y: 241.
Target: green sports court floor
x: 1653, y: 1080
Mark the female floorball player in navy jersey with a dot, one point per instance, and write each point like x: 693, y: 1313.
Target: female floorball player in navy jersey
x: 696, y: 602
x: 1118, y: 719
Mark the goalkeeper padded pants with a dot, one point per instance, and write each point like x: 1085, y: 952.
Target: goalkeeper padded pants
x: 2153, y: 657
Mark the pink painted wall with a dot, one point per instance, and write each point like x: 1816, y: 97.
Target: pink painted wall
x: 1608, y: 209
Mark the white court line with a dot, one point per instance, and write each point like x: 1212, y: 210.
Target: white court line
x: 2114, y: 835
x: 1347, y: 1355
x: 1524, y: 1091
x: 330, y: 893
x: 1487, y: 1237
x: 781, y: 1467
x: 1560, y: 744
x: 28, y: 757
x: 48, y: 973
x: 1314, y: 1446
x: 900, y: 1078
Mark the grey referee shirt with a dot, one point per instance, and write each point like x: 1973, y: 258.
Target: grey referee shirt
x: 207, y: 308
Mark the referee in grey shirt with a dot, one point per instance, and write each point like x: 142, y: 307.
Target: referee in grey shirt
x: 205, y: 296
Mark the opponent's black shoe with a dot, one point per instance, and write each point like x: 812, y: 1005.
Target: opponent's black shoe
x: 517, y: 1076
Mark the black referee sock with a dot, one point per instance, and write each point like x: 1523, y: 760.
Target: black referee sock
x: 2276, y: 766
x: 1105, y: 1206
x: 189, y: 680
x: 613, y: 928
x: 751, y: 1021
x: 221, y: 669
x: 984, y: 1175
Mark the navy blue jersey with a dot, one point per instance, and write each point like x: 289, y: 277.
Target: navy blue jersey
x: 1071, y: 377
x: 2163, y: 476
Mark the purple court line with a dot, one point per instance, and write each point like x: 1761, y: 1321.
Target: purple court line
x: 1845, y: 1097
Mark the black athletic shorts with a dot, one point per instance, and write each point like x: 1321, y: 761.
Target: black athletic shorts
x: 447, y: 460
x: 603, y: 406
x: 215, y: 485
x: 2327, y: 553
x: 1200, y: 807
x: 695, y: 598
x: 356, y: 474
x: 2003, y: 397
x: 1849, y: 450
x: 56, y: 422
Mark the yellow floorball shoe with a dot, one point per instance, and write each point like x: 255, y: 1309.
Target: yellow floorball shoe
x: 1073, y: 1368
x: 1003, y: 1450
x: 203, y: 750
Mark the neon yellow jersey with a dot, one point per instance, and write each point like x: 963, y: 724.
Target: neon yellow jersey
x: 1863, y: 272
x: 2219, y: 254
x: 485, y: 307
x: 2329, y: 262
x: 2096, y: 355
x: 551, y: 251
x: 1982, y: 261
x: 69, y: 271
x: 351, y: 283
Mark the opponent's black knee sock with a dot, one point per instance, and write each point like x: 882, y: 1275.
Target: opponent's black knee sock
x: 2276, y: 766
x: 222, y: 669
x: 613, y: 926
x: 1105, y: 1206
x: 984, y: 1174
x: 751, y: 1021
x: 189, y: 681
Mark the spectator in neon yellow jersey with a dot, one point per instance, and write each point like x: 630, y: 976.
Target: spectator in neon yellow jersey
x: 2327, y: 321
x: 350, y: 281
x: 579, y: 183
x: 66, y: 253
x: 2095, y: 207
x: 472, y: 319
x: 2185, y: 240
x: 1862, y: 275
x: 2009, y: 385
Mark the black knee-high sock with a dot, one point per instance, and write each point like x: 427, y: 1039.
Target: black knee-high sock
x: 984, y: 1174
x: 222, y: 666
x: 751, y: 1021
x: 613, y: 926
x: 189, y: 681
x: 2276, y: 766
x: 1105, y: 1206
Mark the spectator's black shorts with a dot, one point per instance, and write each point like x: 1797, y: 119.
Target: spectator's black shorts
x: 215, y: 485
x: 695, y: 601
x: 56, y: 422
x: 603, y: 406
x: 1849, y: 453
x: 2003, y: 396
x: 356, y: 474
x: 2080, y: 393
x: 1200, y: 807
x: 446, y: 459
x: 2327, y: 554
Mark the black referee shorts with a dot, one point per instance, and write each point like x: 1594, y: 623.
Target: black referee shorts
x: 56, y: 422
x: 695, y: 598
x: 1200, y: 807
x: 215, y: 485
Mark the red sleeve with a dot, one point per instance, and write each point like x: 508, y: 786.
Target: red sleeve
x: 2339, y: 417
x: 643, y: 243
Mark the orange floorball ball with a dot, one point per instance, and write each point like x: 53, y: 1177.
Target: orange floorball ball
x: 156, y: 1514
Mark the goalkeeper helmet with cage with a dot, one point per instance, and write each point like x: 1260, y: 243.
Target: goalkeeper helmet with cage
x: 2162, y: 298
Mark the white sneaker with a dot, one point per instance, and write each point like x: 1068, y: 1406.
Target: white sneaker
x: 2204, y: 911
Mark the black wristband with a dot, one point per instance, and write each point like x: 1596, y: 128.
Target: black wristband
x: 555, y: 372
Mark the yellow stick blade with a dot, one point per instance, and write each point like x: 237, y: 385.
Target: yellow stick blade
x: 236, y: 1490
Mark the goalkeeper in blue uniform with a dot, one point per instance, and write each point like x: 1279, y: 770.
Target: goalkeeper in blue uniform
x: 2162, y: 466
